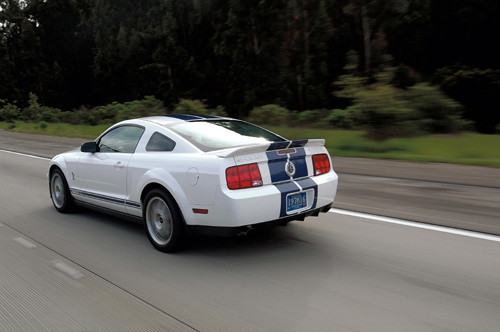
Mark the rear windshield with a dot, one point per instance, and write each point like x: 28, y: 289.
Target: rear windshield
x: 210, y: 135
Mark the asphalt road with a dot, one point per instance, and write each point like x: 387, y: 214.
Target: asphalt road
x: 465, y: 197
x: 90, y: 272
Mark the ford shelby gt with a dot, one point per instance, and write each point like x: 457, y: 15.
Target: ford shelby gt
x: 183, y: 173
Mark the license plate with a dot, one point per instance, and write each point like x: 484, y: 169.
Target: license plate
x: 296, y: 201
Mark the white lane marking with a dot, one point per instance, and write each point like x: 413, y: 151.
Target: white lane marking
x: 67, y: 269
x: 419, y: 225
x: 24, y: 154
x: 24, y: 242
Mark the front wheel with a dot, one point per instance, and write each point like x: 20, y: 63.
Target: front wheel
x: 59, y: 191
x: 162, y: 221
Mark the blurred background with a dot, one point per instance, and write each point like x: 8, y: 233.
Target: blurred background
x: 373, y: 74
x: 414, y: 80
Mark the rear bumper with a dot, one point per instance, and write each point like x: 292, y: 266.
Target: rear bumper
x: 252, y: 206
x: 243, y: 230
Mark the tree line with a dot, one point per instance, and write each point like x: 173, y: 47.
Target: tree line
x: 299, y: 54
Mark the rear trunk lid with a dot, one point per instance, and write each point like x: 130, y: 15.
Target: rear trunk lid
x: 280, y: 161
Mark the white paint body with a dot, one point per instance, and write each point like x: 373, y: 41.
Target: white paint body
x: 195, y: 179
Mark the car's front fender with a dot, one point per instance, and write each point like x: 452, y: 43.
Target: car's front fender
x: 67, y: 163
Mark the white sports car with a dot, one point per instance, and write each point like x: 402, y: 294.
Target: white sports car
x: 184, y: 173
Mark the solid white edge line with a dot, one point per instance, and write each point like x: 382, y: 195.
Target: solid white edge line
x: 24, y: 154
x: 418, y: 225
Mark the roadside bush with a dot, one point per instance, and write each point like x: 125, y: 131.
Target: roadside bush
x: 109, y: 113
x: 340, y: 119
x: 31, y: 113
x: 436, y: 112
x: 309, y: 116
x: 189, y: 106
x: 269, y: 114
x: 51, y: 115
x: 65, y: 116
x: 197, y: 107
x: 48, y: 116
x: 147, y: 106
x: 317, y: 118
x: 35, y: 112
x: 218, y: 111
x: 9, y: 112
x: 383, y: 112
x: 43, y: 125
x: 82, y: 115
x: 116, y: 112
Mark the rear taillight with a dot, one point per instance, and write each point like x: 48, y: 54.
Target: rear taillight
x: 321, y: 164
x: 245, y: 176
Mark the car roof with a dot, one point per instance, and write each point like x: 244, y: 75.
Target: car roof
x: 175, y: 118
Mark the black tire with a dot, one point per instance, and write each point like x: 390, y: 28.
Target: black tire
x: 59, y: 192
x: 163, y: 221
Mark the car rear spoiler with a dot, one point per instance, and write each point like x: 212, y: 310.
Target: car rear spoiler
x: 249, y: 149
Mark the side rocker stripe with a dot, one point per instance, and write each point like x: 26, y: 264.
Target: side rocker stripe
x: 108, y: 199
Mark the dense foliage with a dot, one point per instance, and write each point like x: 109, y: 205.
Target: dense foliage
x: 242, y: 54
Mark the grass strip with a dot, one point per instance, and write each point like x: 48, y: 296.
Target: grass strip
x: 465, y: 148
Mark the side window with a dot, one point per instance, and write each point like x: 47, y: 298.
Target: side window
x: 159, y: 142
x: 123, y: 139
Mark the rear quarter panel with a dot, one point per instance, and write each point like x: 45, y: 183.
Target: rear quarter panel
x: 192, y: 179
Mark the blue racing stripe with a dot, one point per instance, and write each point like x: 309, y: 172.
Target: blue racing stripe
x: 101, y: 197
x: 287, y: 144
x: 300, y: 166
x: 278, y: 145
x: 277, y: 162
x: 299, y: 143
x: 285, y: 188
x: 185, y: 117
x: 277, y: 170
x: 188, y: 117
x: 209, y: 116
x: 307, y: 184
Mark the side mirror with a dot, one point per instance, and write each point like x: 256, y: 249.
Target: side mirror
x: 89, y: 147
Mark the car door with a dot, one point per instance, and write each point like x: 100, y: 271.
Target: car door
x: 102, y: 175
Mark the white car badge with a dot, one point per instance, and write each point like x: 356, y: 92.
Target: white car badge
x: 290, y: 169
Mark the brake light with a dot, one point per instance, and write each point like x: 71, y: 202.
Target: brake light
x: 321, y: 164
x: 244, y: 176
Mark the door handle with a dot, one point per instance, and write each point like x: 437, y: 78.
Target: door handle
x: 119, y: 165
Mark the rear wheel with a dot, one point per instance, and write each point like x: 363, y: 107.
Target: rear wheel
x: 59, y: 191
x: 162, y: 221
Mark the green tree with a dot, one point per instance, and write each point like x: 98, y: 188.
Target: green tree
x: 247, y: 47
x: 164, y: 66
x: 21, y: 51
x: 309, y: 31
x: 436, y: 112
x: 8, y: 111
x: 385, y: 111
